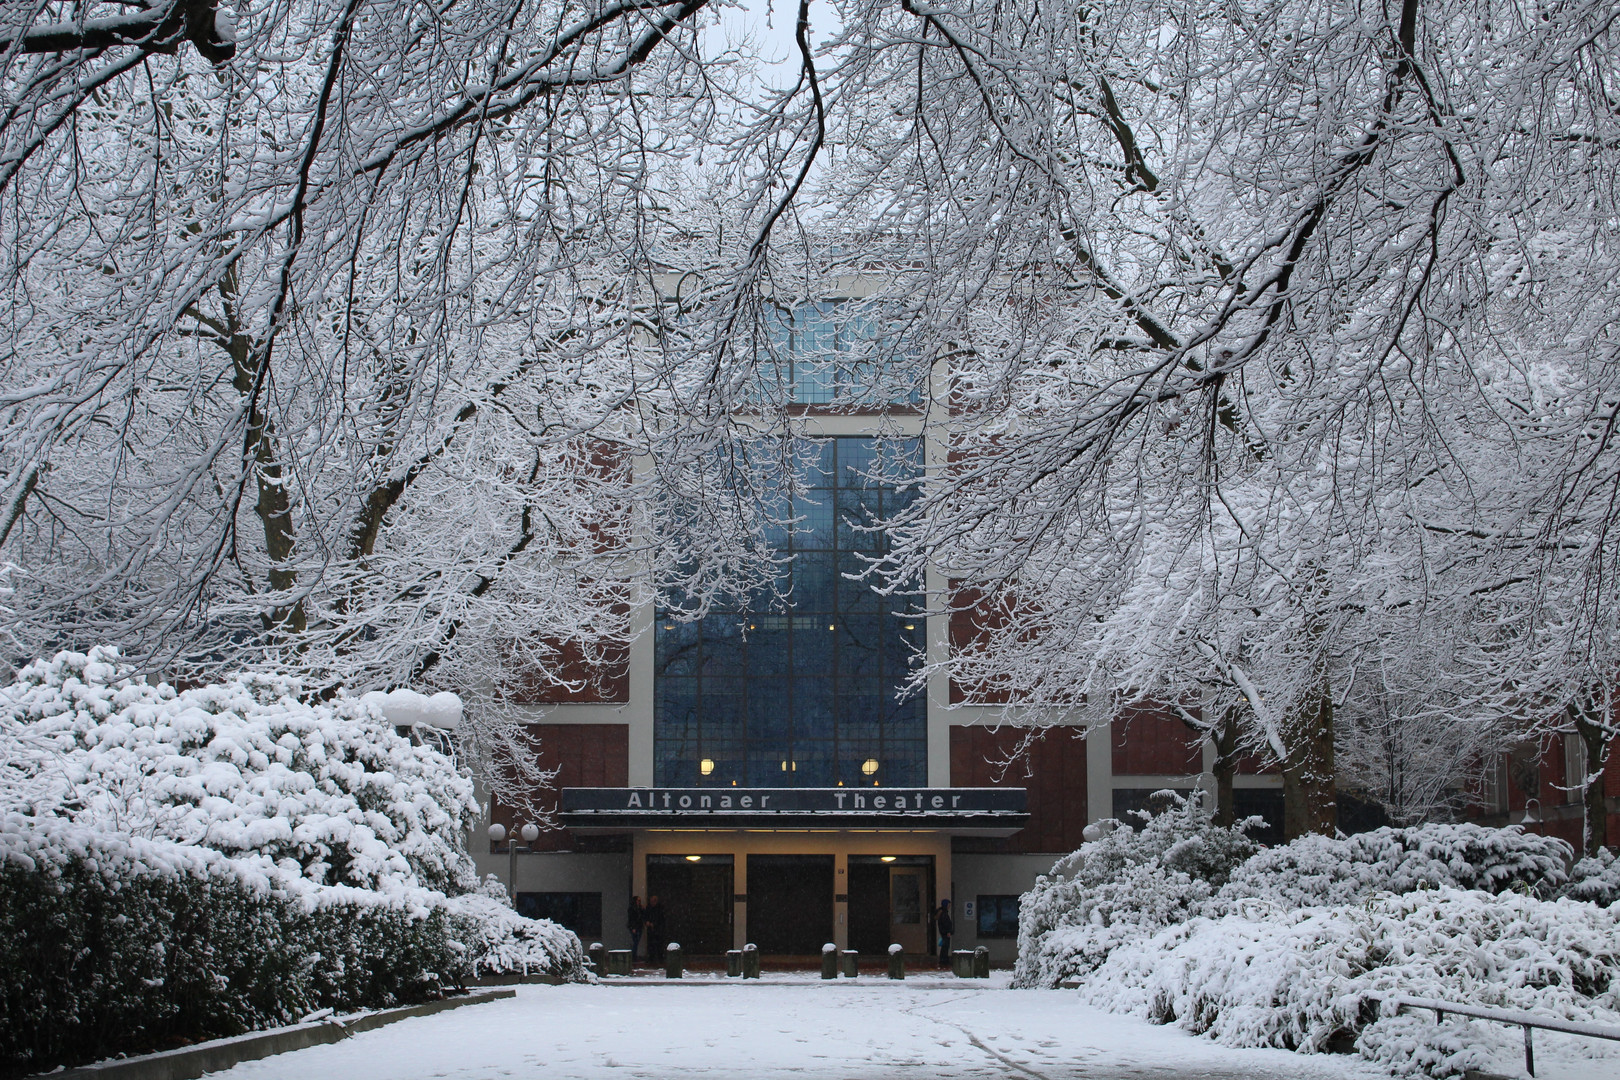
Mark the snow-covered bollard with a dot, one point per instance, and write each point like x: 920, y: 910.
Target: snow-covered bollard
x: 672, y: 960
x: 851, y: 963
x: 981, y: 963
x: 829, y: 961
x: 897, y: 962
x: 750, y: 961
x: 598, y: 956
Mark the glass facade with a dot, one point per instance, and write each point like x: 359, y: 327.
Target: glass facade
x: 806, y: 696
x: 825, y: 354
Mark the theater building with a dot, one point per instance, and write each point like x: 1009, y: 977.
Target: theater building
x: 757, y: 771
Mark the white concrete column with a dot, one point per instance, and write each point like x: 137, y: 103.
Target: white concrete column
x: 640, y: 710
x: 1099, y: 772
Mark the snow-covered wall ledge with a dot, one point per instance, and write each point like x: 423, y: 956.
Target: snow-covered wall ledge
x: 407, y: 708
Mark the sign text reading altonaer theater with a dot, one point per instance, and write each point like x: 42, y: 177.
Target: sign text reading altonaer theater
x: 998, y: 808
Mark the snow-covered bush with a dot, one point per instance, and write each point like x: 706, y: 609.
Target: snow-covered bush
x: 177, y: 866
x: 1595, y: 879
x: 1129, y: 883
x: 502, y: 942
x: 1341, y: 870
x: 1265, y: 975
x: 1296, y: 946
x: 328, y: 791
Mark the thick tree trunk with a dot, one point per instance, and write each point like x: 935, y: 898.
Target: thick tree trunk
x: 1309, y: 803
x: 1595, y: 736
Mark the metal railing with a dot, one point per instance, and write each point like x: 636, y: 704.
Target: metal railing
x: 1526, y: 1020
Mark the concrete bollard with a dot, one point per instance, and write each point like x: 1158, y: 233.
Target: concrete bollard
x: 672, y: 960
x: 981, y: 963
x: 962, y: 964
x: 897, y: 962
x: 598, y: 956
x: 829, y: 961
x: 849, y: 963
x: 750, y: 961
x: 733, y: 963
x: 618, y: 962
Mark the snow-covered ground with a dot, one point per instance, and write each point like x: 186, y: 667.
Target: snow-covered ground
x: 796, y: 1025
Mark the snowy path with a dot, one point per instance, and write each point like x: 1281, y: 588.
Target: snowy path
x: 788, y: 1026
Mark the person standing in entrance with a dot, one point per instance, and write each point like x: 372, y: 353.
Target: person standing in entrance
x: 635, y: 921
x: 655, y: 931
x: 945, y: 926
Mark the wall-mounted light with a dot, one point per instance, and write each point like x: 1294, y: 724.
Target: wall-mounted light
x: 693, y: 858
x: 706, y: 766
x: 869, y: 766
x: 911, y: 626
x: 887, y: 858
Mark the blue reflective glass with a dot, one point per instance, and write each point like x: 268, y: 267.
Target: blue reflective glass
x: 815, y: 685
x: 769, y: 711
x: 813, y: 522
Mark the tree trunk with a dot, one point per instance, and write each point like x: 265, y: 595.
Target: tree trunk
x: 1309, y: 805
x: 1595, y: 735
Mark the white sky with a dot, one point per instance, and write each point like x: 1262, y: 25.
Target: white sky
x: 771, y: 24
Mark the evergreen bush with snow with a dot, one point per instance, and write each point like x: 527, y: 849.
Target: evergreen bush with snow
x: 180, y: 866
x: 1298, y: 946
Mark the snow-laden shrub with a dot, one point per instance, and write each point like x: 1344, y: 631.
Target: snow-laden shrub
x: 1267, y: 975
x: 244, y: 768
x: 1126, y: 885
x: 502, y: 942
x: 1316, y: 870
x: 1595, y: 879
x: 176, y: 867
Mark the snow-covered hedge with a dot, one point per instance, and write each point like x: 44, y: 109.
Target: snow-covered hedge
x: 1296, y: 946
x: 177, y: 866
x: 1596, y: 879
x: 1305, y: 977
x: 1127, y: 884
x: 1342, y: 870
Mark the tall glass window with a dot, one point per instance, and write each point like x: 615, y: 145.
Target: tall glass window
x: 805, y: 697
x: 828, y: 354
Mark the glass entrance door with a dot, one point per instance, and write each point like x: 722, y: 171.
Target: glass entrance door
x: 908, y: 912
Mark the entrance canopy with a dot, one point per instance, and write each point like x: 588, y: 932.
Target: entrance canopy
x: 997, y: 811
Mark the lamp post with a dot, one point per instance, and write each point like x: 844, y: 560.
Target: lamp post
x: 1528, y: 820
x: 530, y: 833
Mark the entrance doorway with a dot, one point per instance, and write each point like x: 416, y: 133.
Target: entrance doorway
x: 697, y: 900
x: 890, y: 903
x: 908, y: 908
x: 790, y: 903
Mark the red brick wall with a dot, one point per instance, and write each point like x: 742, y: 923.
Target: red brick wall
x: 974, y: 623
x: 602, y: 680
x: 1152, y: 741
x: 584, y: 755
x: 1054, y: 771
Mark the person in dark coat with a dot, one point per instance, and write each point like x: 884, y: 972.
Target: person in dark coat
x: 944, y: 925
x: 636, y: 922
x: 656, y: 934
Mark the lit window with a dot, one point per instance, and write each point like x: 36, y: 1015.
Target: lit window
x: 706, y: 766
x: 869, y: 766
